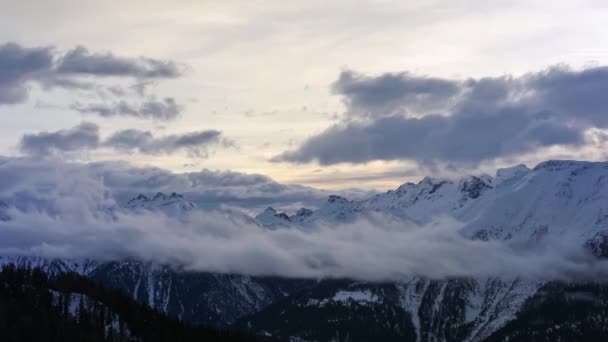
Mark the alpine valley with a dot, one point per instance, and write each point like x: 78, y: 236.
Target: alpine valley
x: 557, y: 200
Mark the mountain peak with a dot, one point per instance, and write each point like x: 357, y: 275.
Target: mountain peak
x: 270, y: 218
x: 558, y: 165
x: 170, y: 204
x: 426, y: 180
x: 474, y: 186
x: 433, y: 183
x: 303, y: 212
x: 270, y: 210
x: 282, y: 216
x: 336, y: 199
x: 141, y: 197
x: 175, y: 195
x: 159, y: 195
x: 511, y: 172
x: 405, y: 187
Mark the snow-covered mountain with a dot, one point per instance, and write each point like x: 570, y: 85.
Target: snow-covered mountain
x: 560, y: 198
x: 197, y: 297
x: 172, y: 205
x: 557, y: 199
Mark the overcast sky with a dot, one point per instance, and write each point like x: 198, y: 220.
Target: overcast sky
x: 330, y: 94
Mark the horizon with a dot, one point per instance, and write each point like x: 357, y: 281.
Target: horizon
x: 304, y: 170
x: 252, y: 89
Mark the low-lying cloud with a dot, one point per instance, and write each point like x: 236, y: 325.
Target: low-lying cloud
x: 72, y: 214
x: 464, y: 122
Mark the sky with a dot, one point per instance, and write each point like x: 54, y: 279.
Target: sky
x: 241, y: 105
x: 331, y: 95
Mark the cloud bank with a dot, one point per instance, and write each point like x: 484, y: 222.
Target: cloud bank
x: 67, y: 211
x: 464, y: 122
x: 80, y: 137
x: 206, y: 188
x: 79, y: 69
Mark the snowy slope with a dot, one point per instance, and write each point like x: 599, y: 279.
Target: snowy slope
x: 557, y: 199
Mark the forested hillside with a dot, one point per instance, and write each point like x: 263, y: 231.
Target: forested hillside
x: 69, y: 307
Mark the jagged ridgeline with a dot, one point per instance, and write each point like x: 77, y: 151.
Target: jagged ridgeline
x: 68, y: 307
x: 555, y: 201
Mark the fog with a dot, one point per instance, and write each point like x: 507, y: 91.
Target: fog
x: 68, y: 212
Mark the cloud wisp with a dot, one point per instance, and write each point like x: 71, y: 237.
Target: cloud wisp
x: 80, y: 61
x: 87, y: 71
x: 195, y: 144
x: 70, y: 213
x: 463, y: 122
x: 86, y: 137
x: 151, y: 108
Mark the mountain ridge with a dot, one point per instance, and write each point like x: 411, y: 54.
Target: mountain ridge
x: 564, y: 200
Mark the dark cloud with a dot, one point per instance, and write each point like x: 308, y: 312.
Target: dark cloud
x: 194, y: 143
x: 85, y: 136
x: 393, y: 93
x: 163, y: 109
x: 18, y: 66
x: 82, y: 137
x: 81, y: 61
x: 208, y: 188
x: 434, y: 137
x: 403, y: 117
x: 79, y: 69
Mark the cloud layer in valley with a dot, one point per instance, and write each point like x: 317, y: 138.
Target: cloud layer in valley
x: 54, y: 209
x: 402, y: 116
